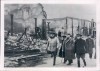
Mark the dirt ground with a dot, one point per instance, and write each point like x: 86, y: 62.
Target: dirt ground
x: 48, y: 62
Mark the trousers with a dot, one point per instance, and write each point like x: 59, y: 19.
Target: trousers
x: 78, y: 59
x: 54, y: 54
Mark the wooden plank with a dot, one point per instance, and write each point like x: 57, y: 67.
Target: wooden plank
x: 21, y: 57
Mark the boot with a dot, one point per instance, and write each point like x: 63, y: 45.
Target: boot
x: 84, y: 62
x: 70, y: 61
x: 78, y: 63
x: 54, y: 60
x: 65, y: 61
x: 90, y: 55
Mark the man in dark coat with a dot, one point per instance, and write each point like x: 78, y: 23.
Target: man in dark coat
x: 80, y: 49
x: 89, y: 46
x: 69, y: 49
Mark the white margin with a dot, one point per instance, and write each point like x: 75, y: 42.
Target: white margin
x: 50, y: 2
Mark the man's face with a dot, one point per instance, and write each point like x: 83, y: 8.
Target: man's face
x: 68, y: 36
x: 89, y: 36
x: 78, y: 37
x: 51, y: 35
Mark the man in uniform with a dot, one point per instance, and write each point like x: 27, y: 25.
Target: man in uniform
x: 80, y: 49
x: 89, y: 46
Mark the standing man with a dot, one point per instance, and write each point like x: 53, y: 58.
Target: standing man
x: 80, y: 49
x: 52, y: 46
x: 89, y: 46
x: 69, y: 50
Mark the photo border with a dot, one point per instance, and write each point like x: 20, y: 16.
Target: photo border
x: 49, y: 2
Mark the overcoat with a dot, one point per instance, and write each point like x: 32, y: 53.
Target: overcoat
x: 89, y: 45
x: 69, y: 49
x: 80, y: 46
x: 52, y: 44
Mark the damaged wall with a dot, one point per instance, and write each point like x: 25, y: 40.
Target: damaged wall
x: 24, y: 15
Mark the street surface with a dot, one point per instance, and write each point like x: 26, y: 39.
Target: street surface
x: 59, y: 62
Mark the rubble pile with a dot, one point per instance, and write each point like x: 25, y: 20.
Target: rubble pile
x: 24, y: 44
x: 25, y: 47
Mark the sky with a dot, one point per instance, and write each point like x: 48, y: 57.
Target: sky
x: 82, y: 11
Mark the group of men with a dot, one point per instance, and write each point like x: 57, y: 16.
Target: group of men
x: 69, y: 48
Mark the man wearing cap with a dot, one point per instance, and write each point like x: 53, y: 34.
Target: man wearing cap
x: 89, y: 46
x: 52, y: 46
x: 69, y: 49
x: 80, y: 49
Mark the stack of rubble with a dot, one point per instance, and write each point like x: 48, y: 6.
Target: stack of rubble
x: 25, y: 44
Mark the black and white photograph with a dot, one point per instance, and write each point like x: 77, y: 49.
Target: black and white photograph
x: 50, y: 35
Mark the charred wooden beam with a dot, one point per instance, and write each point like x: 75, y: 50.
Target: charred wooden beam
x: 35, y: 25
x: 48, y: 26
x: 43, y: 29
x: 72, y: 28
x: 66, y: 26
x: 65, y: 18
x: 11, y: 15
